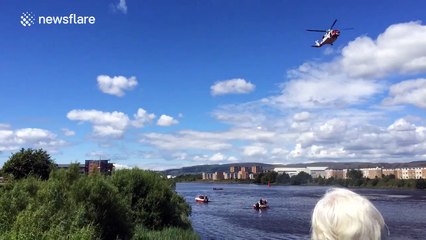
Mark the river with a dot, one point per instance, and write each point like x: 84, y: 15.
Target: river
x: 230, y: 215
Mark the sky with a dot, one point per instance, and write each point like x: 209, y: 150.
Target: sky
x: 164, y: 84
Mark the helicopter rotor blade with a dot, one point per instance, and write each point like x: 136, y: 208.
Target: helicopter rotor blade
x: 344, y: 29
x: 332, y: 25
x: 313, y: 30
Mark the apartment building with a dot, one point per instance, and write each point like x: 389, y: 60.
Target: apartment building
x: 371, y: 172
x: 256, y: 169
x: 335, y: 173
x: 218, y: 176
x: 400, y: 173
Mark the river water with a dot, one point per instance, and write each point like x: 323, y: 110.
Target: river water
x: 230, y: 215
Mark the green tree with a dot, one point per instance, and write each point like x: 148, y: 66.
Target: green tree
x: 257, y: 178
x: 300, y: 178
x: 355, y: 177
x: 268, y: 177
x: 29, y: 162
x: 354, y: 174
x: 188, y: 178
x: 283, y: 178
x: 420, y: 183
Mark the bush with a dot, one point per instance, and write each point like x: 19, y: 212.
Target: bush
x: 420, y: 183
x: 153, y: 202
x: 74, y: 206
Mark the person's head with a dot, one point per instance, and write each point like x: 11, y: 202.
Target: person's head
x: 342, y: 214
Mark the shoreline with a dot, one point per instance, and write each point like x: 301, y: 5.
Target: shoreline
x: 306, y: 185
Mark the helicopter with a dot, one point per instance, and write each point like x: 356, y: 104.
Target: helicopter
x: 329, y: 37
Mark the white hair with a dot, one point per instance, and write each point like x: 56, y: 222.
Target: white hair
x: 342, y: 214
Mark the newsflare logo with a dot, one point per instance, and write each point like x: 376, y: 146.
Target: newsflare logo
x: 29, y: 19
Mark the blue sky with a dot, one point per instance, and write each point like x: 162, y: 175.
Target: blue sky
x: 165, y: 84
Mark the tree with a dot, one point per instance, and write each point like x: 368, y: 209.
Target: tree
x: 29, y: 162
x: 283, y: 178
x: 420, y: 183
x: 355, y: 176
x: 268, y: 177
x: 300, y: 178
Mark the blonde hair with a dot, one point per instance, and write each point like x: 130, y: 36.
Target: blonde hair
x: 342, y: 214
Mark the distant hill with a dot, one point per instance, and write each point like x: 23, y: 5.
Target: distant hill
x: 333, y: 165
x: 212, y: 168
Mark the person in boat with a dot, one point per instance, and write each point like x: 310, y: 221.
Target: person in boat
x: 261, y: 201
x: 343, y: 214
x: 206, y: 199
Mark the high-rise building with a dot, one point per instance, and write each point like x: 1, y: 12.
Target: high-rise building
x: 256, y: 169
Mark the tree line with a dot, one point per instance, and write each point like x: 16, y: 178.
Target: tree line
x: 354, y: 178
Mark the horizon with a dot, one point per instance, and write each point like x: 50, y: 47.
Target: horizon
x: 164, y: 85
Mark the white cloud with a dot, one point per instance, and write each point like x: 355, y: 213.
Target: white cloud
x: 166, y: 121
x: 328, y: 153
x: 401, y: 125
x: 116, y: 85
x: 217, y: 157
x: 279, y: 153
x: 97, y: 155
x: 408, y: 92
x: 142, y: 117
x: 110, y: 124
x: 251, y: 151
x: 297, y: 151
x: 301, y: 116
x: 11, y: 140
x: 121, y: 166
x: 233, y: 86
x: 183, y: 141
x: 246, y: 115
x: 30, y: 134
x: 180, y: 156
x: 212, y: 141
x: 121, y: 6
x: 400, y: 49
x: 332, y: 129
x: 334, y: 139
x: 323, y: 85
x: 68, y: 132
